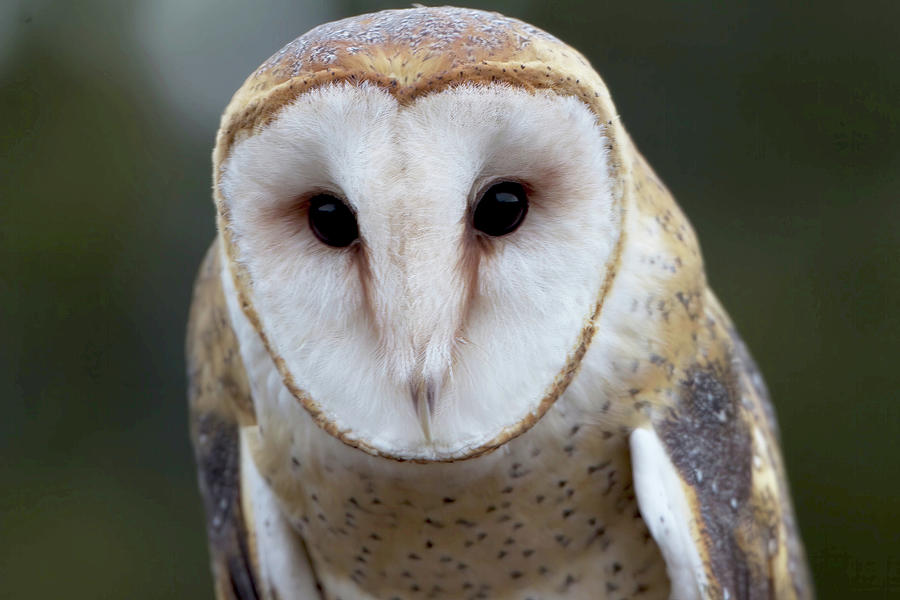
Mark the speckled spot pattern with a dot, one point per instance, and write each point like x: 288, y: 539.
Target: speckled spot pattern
x: 555, y: 520
x: 711, y: 447
x: 457, y: 33
x: 410, y: 53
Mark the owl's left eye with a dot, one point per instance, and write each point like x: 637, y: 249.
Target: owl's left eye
x: 332, y: 221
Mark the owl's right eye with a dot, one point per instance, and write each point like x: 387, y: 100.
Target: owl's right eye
x: 332, y: 221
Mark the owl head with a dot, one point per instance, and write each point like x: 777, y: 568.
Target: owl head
x: 422, y: 216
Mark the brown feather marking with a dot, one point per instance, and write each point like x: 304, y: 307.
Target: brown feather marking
x: 780, y: 544
x: 216, y: 377
x: 746, y: 530
x: 219, y: 400
x: 710, y: 446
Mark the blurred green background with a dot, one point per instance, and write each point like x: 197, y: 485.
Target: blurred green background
x: 775, y: 124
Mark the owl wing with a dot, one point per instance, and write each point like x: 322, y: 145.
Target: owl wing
x: 220, y: 400
x: 248, y: 562
x: 710, y: 483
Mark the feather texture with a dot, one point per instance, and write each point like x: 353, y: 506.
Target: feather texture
x: 219, y: 399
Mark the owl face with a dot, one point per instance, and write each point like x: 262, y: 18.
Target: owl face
x: 425, y: 272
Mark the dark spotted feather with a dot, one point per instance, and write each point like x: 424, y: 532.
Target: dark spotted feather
x: 219, y: 404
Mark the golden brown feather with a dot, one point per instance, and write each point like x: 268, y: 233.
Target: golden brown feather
x: 220, y: 403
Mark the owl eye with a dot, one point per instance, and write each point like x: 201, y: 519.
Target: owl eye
x: 501, y: 209
x: 332, y: 221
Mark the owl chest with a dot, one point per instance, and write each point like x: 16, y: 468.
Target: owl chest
x: 533, y: 520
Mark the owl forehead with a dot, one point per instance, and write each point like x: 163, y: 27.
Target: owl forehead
x: 411, y: 53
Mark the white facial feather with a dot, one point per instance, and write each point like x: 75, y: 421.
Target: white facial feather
x: 491, y: 321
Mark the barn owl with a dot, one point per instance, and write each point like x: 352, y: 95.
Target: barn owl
x: 454, y: 339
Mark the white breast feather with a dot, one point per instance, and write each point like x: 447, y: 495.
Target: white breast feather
x: 283, y: 564
x: 666, y: 511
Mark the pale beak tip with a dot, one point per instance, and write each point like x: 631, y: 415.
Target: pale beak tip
x: 424, y: 397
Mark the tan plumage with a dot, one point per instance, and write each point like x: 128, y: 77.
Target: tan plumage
x: 220, y: 404
x: 675, y: 368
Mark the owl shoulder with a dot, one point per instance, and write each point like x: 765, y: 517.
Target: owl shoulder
x: 219, y: 403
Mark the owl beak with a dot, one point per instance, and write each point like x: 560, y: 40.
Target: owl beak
x: 424, y: 391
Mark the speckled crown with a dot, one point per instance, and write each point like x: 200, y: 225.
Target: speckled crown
x: 410, y: 53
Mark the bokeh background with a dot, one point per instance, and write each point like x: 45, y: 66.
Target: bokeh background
x: 774, y: 123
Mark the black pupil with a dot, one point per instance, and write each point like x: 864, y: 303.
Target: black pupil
x: 501, y: 209
x: 332, y: 221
